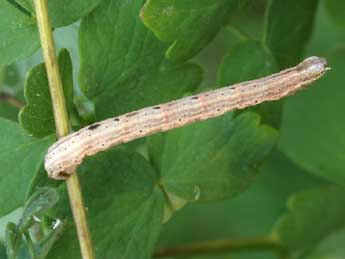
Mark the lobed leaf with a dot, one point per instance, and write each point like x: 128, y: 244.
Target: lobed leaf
x: 251, y: 214
x: 18, y: 34
x: 215, y: 159
x: 314, y: 215
x: 122, y: 63
x: 37, y: 117
x: 189, y: 25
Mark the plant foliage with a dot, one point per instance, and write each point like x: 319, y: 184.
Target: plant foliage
x: 228, y: 177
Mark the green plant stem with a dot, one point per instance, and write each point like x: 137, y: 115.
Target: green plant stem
x: 221, y: 246
x: 62, y: 123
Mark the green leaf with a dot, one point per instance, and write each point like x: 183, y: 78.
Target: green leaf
x: 37, y: 116
x: 326, y: 35
x: 313, y: 216
x: 20, y: 157
x: 189, y: 25
x: 21, y: 246
x: 331, y: 247
x: 13, y: 240
x: 312, y: 128
x: 8, y: 111
x: 125, y: 207
x: 246, y: 61
x: 2, y: 251
x: 2, y: 76
x: 122, y: 63
x: 26, y: 4
x: 39, y: 202
x: 64, y: 12
x: 16, y: 246
x: 13, y: 216
x: 9, y: 78
x: 215, y: 159
x: 11, y: 75
x: 168, y: 84
x: 278, y: 179
x: 336, y: 10
x: 18, y: 34
x: 287, y: 35
x: 45, y: 245
x: 41, y: 180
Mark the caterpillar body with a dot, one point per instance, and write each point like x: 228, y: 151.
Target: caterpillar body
x: 65, y: 155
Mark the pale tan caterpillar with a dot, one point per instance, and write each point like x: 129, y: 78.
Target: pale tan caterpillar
x: 66, y: 154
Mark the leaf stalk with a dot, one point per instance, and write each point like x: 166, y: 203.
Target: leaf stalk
x: 222, y: 246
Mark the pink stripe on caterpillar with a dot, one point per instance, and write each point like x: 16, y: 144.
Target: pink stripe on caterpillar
x: 66, y: 154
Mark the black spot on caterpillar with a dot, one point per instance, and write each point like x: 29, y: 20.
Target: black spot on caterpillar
x: 94, y: 126
x: 65, y: 155
x: 131, y: 114
x: 64, y: 174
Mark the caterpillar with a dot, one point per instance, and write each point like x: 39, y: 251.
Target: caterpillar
x: 65, y: 155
